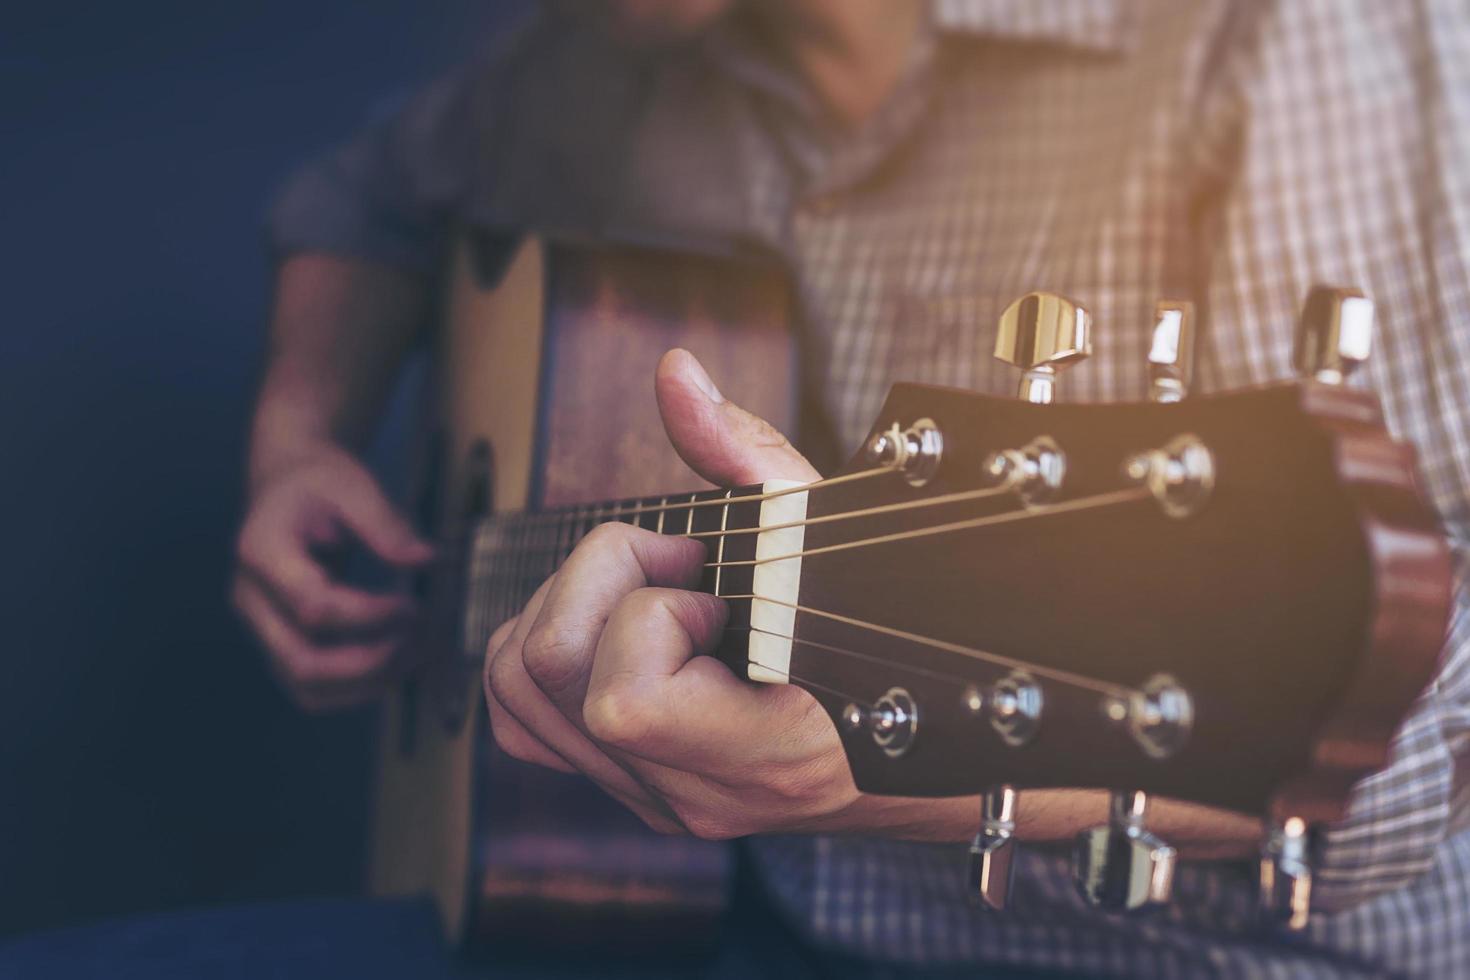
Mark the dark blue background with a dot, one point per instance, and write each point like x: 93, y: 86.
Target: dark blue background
x: 146, y: 761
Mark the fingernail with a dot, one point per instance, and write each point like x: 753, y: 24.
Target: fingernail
x: 702, y: 380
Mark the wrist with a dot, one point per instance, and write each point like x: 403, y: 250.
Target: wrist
x: 282, y: 440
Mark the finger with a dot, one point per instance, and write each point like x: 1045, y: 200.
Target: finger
x: 281, y: 564
x: 362, y: 506
x: 510, y: 734
x: 651, y: 696
x: 356, y: 670
x: 518, y: 743
x: 614, y: 560
x: 721, y: 441
x: 514, y: 691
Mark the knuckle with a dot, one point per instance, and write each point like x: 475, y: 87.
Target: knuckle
x: 705, y: 824
x: 501, y: 634
x: 617, y: 718
x: 611, y: 535
x: 314, y: 610
x: 305, y: 671
x: 552, y: 656
x: 756, y: 429
x: 248, y: 546
x: 500, y: 675
x: 641, y: 604
x: 511, y: 742
x: 664, y: 828
x: 492, y: 656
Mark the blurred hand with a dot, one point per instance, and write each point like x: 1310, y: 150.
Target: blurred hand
x: 330, y: 644
x: 600, y: 673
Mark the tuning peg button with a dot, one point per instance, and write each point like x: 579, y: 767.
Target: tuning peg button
x: 1171, y: 352
x: 1121, y: 867
x: 1335, y: 333
x: 993, y: 850
x: 1040, y: 333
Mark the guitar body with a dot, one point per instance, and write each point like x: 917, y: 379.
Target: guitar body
x: 544, y: 397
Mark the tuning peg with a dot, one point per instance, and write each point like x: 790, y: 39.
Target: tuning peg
x: 1335, y: 334
x: 1286, y: 875
x: 1040, y: 333
x: 1121, y: 867
x: 1171, y: 353
x: 991, y: 853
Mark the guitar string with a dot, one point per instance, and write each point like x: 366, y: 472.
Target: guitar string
x: 807, y: 681
x: 599, y: 512
x: 1109, y: 499
x: 936, y: 501
x: 938, y: 675
x: 1112, y: 498
x: 945, y: 498
x: 985, y: 656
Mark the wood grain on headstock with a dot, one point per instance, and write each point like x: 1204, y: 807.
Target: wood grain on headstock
x: 1303, y: 607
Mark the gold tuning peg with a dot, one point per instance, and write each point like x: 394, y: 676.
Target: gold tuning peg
x: 1171, y: 352
x: 1041, y: 333
x: 1335, y: 333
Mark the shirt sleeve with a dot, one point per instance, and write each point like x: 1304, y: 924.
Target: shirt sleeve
x: 389, y: 192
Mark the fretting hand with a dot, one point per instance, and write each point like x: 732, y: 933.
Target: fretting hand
x: 601, y: 672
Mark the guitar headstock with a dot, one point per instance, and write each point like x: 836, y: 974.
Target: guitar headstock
x: 1231, y: 600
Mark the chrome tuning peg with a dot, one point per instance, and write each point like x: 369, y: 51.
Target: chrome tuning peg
x: 1040, y: 333
x: 1286, y: 875
x: 1121, y: 867
x: 1334, y: 335
x: 1171, y: 351
x: 914, y: 452
x: 990, y: 869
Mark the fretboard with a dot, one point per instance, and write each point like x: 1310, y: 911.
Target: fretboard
x: 508, y: 556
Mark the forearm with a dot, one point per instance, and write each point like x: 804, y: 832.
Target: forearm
x: 339, y: 331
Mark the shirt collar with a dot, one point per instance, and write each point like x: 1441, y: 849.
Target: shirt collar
x: 1095, y: 25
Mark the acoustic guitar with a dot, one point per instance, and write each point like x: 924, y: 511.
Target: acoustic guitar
x: 1231, y: 599
x: 542, y: 399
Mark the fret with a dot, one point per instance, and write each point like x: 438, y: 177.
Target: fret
x: 707, y: 520
x: 492, y: 599
x: 526, y: 578
x: 508, y: 557
x: 515, y: 560
x: 720, y: 547
x: 648, y: 515
x: 564, y: 540
x: 540, y: 552
x: 734, y: 648
x: 689, y: 514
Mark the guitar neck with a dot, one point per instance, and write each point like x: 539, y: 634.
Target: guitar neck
x: 505, y: 557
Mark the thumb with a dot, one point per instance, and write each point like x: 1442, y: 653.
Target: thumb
x: 364, y: 508
x: 721, y: 441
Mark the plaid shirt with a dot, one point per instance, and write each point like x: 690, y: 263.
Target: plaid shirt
x: 1114, y: 150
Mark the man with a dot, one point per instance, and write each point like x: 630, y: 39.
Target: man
x: 917, y: 165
